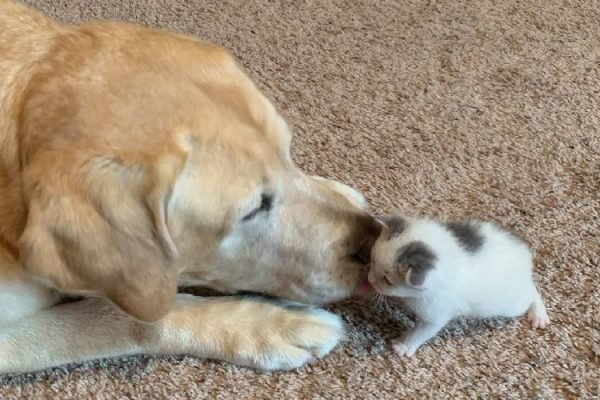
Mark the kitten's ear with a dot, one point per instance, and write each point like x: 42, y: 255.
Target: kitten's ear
x: 408, y: 278
x: 419, y: 259
x: 393, y: 225
x: 415, y: 277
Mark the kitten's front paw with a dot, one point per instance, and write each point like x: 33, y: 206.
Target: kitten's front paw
x: 538, y: 318
x: 402, y: 349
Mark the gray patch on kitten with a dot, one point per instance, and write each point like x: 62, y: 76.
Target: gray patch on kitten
x: 467, y: 234
x: 396, y: 225
x: 419, y: 258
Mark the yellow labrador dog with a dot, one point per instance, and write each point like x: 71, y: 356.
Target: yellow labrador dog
x: 134, y: 162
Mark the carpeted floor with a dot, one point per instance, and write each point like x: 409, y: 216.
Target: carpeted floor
x: 449, y: 108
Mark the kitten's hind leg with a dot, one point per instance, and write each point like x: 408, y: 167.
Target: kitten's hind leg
x: 537, y: 314
x: 414, y: 338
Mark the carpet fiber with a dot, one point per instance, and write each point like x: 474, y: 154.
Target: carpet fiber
x: 447, y: 108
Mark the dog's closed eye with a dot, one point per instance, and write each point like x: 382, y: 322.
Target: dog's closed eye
x: 266, y: 203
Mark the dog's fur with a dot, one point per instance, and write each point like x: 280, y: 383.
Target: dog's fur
x: 133, y: 162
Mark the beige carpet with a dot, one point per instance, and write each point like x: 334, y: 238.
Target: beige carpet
x: 450, y: 108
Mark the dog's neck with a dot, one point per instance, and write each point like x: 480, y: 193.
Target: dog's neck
x: 20, y: 58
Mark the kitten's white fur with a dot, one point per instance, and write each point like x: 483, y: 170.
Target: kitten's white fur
x: 493, y: 281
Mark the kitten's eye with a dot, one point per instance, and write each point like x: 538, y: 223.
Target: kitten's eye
x: 266, y: 203
x: 387, y: 280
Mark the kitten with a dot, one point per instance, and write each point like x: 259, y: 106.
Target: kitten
x: 443, y: 271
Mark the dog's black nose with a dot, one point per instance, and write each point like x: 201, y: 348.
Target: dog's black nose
x: 363, y: 254
x: 365, y: 235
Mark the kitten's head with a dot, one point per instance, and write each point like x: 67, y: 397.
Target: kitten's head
x: 399, y: 260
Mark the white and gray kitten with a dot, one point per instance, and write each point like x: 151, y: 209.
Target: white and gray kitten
x: 444, y: 271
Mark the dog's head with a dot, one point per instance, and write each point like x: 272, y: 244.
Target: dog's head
x: 150, y: 160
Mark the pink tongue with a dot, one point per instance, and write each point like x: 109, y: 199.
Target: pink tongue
x: 363, y: 288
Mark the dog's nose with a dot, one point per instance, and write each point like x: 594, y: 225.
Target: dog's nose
x: 362, y: 256
x: 365, y: 234
x: 370, y: 228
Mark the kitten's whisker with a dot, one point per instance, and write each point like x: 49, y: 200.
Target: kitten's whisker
x: 385, y: 301
x: 380, y: 301
x: 374, y: 299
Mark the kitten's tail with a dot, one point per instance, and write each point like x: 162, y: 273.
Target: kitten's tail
x: 537, y: 314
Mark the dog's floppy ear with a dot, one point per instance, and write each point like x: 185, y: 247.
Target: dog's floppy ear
x: 102, y: 228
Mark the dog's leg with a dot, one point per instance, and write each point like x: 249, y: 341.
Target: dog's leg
x: 251, y: 332
x: 20, y: 297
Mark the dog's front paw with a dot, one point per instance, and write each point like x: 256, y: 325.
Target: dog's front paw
x: 251, y: 331
x: 284, y: 338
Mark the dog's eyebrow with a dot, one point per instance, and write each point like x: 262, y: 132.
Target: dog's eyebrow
x: 266, y: 203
